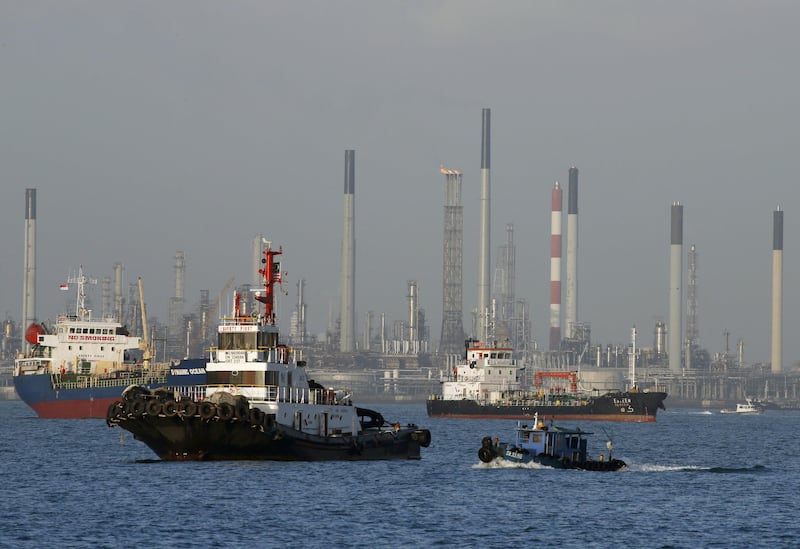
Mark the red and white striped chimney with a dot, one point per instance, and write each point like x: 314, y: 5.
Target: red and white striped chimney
x: 555, y: 269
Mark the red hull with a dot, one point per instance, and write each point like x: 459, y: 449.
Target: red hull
x: 74, y: 409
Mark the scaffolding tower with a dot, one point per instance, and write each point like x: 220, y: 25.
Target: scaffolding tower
x: 503, y: 289
x: 692, y: 330
x: 452, y: 339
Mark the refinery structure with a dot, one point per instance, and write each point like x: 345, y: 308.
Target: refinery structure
x: 382, y: 358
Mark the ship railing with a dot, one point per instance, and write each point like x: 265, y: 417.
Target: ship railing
x: 86, y: 381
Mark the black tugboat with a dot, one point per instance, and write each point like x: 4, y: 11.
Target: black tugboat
x: 550, y: 446
x: 260, y: 404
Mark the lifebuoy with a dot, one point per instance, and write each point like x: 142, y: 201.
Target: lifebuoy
x: 207, y: 410
x: 225, y: 411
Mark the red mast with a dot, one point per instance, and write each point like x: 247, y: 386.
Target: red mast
x: 271, y: 274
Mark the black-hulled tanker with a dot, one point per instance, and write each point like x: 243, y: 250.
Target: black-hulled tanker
x: 487, y: 385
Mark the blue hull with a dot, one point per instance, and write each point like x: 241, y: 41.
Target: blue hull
x: 90, y: 396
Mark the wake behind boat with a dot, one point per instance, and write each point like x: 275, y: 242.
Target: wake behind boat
x: 79, y: 366
x: 487, y: 385
x: 260, y: 404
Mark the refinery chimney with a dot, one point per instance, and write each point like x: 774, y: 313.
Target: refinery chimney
x: 777, y: 291
x: 29, y: 276
x: 484, y: 238
x: 571, y: 292
x: 348, y: 281
x: 675, y: 289
x: 555, y: 268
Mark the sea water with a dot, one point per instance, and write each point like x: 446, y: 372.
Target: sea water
x: 695, y: 479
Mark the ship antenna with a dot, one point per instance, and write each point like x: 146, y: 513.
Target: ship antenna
x: 80, y: 306
x: 271, y: 273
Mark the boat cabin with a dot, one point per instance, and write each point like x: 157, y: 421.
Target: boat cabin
x: 553, y: 441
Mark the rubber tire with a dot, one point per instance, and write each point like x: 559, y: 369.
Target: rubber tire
x: 485, y: 454
x: 225, y: 411
x: 256, y: 416
x: 207, y: 410
x: 242, y: 411
x: 189, y: 409
x: 153, y: 408
x: 115, y: 409
x: 138, y: 407
x: 170, y: 408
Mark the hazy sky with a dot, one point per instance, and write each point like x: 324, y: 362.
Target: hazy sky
x: 149, y: 127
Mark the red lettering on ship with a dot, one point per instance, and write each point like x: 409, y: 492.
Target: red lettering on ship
x: 91, y: 338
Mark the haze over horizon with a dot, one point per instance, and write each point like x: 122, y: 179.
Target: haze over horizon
x: 152, y: 127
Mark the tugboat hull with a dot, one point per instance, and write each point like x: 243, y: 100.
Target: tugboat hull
x: 187, y: 431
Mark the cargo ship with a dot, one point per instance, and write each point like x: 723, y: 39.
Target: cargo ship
x: 487, y: 384
x: 260, y: 403
x: 80, y: 365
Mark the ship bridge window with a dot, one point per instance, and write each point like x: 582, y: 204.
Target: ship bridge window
x: 237, y: 341
x: 236, y: 378
x: 494, y: 355
x: 266, y: 339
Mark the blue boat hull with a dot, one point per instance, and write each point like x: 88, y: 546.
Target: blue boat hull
x: 50, y: 396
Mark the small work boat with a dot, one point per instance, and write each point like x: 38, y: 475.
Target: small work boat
x: 749, y: 407
x: 550, y: 446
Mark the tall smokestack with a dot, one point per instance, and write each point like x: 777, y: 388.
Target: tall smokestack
x: 118, y: 300
x: 675, y: 288
x: 571, y: 295
x: 777, y: 291
x: 555, y: 269
x: 29, y: 260
x: 484, y: 238
x: 347, y: 341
